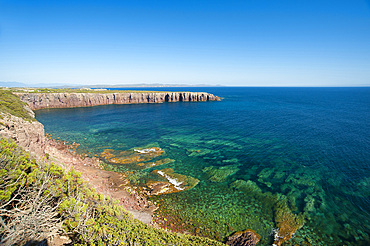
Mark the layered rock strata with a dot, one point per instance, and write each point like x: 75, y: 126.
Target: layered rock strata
x: 69, y: 100
x: 29, y: 135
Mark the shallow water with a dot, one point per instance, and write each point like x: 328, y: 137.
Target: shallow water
x: 309, y: 146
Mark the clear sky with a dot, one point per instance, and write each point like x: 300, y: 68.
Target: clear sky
x: 239, y: 43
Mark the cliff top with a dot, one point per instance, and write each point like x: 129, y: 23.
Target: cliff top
x: 82, y: 90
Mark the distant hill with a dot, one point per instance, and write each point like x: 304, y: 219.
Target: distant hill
x: 149, y: 85
x: 38, y: 85
x: 59, y: 85
x: 12, y: 84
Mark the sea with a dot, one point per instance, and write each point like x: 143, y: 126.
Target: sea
x: 256, y: 149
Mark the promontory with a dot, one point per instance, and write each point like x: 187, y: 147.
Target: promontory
x: 81, y: 98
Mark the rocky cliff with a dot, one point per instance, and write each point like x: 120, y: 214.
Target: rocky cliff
x: 68, y: 100
x: 29, y: 135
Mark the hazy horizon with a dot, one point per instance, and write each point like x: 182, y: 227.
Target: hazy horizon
x: 148, y: 85
x: 238, y: 43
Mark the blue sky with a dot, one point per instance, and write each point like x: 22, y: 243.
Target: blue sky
x: 238, y: 43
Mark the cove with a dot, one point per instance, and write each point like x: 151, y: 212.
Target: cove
x: 307, y: 147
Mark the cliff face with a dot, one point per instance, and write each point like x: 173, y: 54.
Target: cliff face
x: 68, y: 100
x: 28, y: 135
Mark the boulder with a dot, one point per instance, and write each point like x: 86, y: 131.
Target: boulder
x: 243, y: 238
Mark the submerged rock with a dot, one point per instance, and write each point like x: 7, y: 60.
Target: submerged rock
x: 265, y: 174
x: 199, y: 152
x: 156, y: 163
x: 243, y: 238
x: 131, y: 156
x: 220, y: 174
x: 287, y: 222
x: 174, y: 182
x: 153, y: 151
x: 247, y: 186
x: 160, y: 188
x: 302, y: 179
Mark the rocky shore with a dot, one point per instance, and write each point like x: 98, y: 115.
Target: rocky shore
x: 30, y: 135
x: 68, y: 100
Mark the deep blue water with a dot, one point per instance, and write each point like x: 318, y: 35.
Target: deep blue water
x: 310, y: 146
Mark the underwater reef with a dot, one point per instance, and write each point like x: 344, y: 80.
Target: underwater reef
x: 214, y: 184
x: 164, y: 181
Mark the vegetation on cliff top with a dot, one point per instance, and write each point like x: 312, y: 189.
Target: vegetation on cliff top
x: 10, y: 103
x: 39, y: 200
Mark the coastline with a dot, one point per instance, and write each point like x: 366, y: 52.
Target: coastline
x: 174, y: 146
x: 29, y: 134
x: 108, y: 183
x: 81, y: 98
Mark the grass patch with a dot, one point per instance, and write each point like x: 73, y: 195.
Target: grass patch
x: 10, y: 103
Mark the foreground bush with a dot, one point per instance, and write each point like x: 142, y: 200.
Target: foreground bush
x: 39, y: 200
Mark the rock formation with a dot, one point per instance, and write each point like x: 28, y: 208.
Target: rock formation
x: 132, y: 156
x: 68, y: 100
x: 243, y: 238
x: 27, y: 134
x: 174, y: 182
x: 215, y: 174
x: 287, y: 222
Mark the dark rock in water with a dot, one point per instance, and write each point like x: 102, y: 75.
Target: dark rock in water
x: 243, y: 238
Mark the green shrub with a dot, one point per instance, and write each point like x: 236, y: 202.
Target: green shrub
x: 10, y: 103
x: 39, y: 199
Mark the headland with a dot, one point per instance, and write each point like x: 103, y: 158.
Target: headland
x: 39, y: 99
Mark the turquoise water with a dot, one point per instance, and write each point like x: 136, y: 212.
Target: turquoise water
x: 306, y: 146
